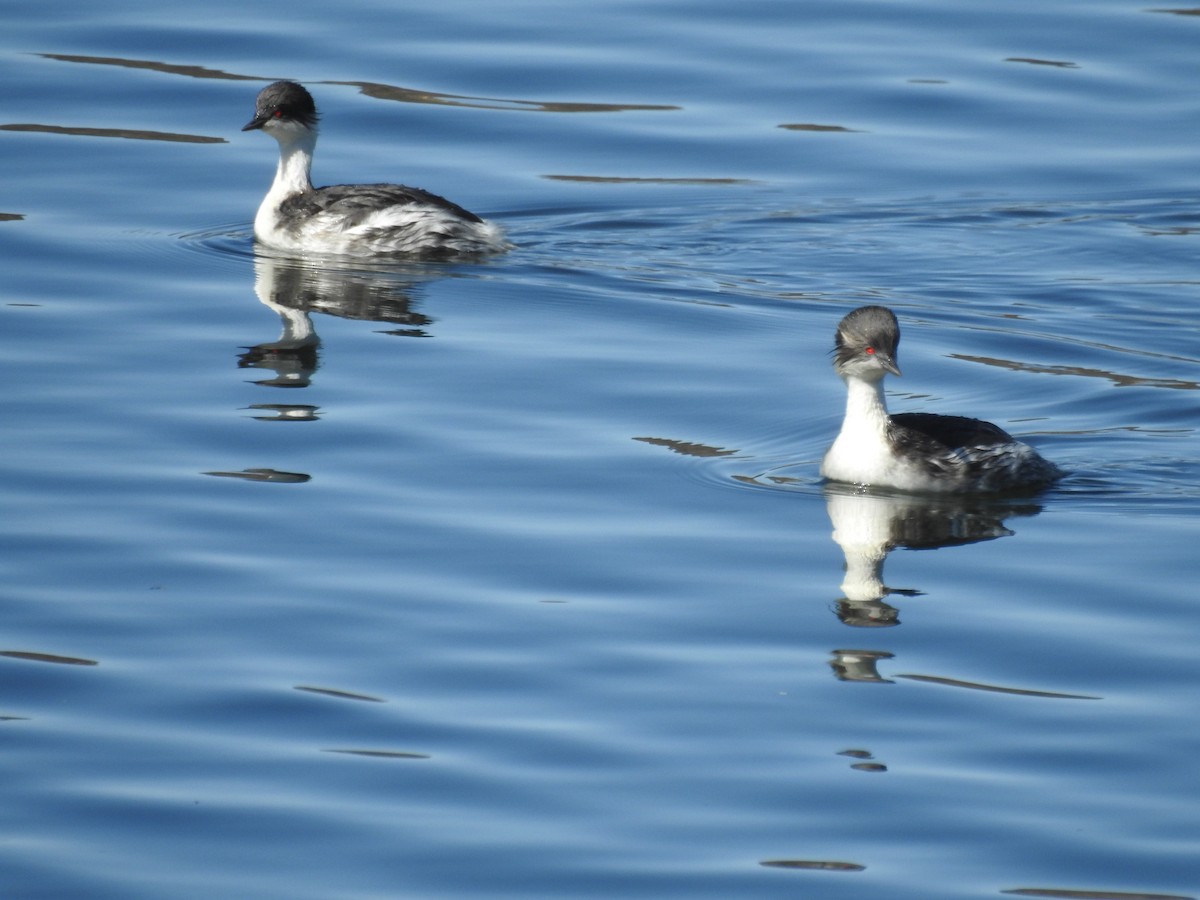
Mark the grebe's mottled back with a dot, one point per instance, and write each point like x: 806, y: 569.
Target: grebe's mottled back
x: 356, y: 219
x: 915, y: 451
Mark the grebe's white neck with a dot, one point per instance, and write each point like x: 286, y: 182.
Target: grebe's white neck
x: 861, y: 454
x: 294, y: 173
x: 866, y: 421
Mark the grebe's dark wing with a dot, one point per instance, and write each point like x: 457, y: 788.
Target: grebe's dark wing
x: 986, y: 456
x: 357, y: 201
x: 951, y: 432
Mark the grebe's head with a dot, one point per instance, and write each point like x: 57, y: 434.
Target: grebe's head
x: 865, y: 344
x: 284, y: 110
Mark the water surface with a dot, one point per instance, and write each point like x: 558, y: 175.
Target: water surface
x: 516, y: 578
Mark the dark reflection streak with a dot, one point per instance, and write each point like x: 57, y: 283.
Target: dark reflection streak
x: 1177, y: 12
x: 1114, y: 377
x: 371, y: 89
x: 812, y: 126
x: 1181, y: 231
x: 855, y: 754
x: 127, y: 133
x: 686, y: 448
x: 273, y: 475
x: 616, y: 179
x: 1055, y: 63
x: 409, y: 95
x: 381, y: 754
x: 1065, y: 894
x: 997, y: 689
x: 405, y: 332
x: 167, y: 68
x: 821, y: 865
x: 341, y: 695
x: 11, y: 217
x: 48, y: 658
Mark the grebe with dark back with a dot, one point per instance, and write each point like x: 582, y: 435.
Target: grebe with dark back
x: 918, y: 452
x: 354, y: 219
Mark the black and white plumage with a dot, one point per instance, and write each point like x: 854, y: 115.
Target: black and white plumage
x: 921, y: 452
x: 355, y: 219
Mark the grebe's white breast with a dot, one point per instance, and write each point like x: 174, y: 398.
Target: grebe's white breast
x: 356, y: 219
x: 920, y: 452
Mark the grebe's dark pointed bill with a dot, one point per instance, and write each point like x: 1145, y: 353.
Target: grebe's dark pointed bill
x: 258, y: 121
x: 889, y: 364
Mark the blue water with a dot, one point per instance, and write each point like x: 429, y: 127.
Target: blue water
x: 516, y: 578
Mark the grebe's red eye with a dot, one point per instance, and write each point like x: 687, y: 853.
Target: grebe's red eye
x: 278, y: 114
x: 870, y: 351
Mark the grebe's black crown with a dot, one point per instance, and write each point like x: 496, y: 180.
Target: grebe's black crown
x: 283, y: 101
x: 871, y: 329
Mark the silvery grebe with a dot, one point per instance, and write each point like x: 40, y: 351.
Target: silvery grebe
x: 355, y: 219
x: 920, y: 452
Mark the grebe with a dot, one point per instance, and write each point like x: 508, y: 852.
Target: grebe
x: 920, y: 452
x: 355, y: 219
